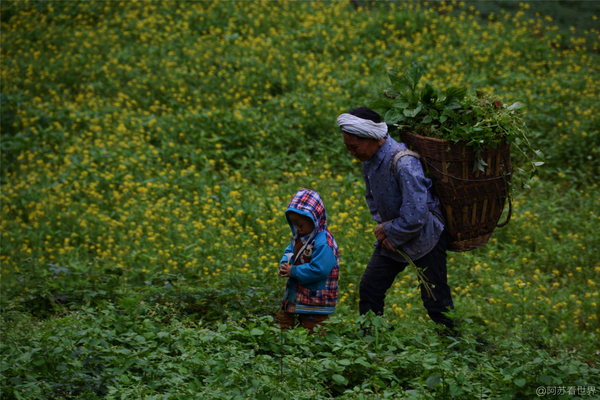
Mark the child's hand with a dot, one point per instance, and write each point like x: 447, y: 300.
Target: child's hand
x: 285, y: 270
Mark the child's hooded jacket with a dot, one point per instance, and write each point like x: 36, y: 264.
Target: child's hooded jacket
x: 313, y: 285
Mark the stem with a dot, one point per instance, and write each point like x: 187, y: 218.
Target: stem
x: 420, y: 274
x: 33, y: 262
x: 90, y: 277
x: 54, y: 301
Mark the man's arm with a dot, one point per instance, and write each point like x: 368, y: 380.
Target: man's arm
x: 371, y: 200
x: 414, y: 210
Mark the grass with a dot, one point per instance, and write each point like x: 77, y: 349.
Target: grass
x: 149, y: 151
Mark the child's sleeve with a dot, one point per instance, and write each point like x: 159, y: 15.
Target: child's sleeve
x: 322, y: 262
x: 288, y: 249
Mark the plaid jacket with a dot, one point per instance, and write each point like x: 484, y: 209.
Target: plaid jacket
x: 313, y: 286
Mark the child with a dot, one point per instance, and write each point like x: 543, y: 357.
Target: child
x: 311, y: 262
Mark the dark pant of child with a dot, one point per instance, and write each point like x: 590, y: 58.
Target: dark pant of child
x: 381, y: 272
x: 287, y: 320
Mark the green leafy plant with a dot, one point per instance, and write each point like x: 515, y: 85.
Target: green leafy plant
x: 478, y: 119
x: 149, y: 151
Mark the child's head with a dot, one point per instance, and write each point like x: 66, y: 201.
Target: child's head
x: 306, y: 213
x: 303, y: 224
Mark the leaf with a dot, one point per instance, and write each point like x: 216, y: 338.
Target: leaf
x: 520, y: 382
x: 455, y: 389
x: 402, y: 102
x: 546, y: 380
x: 454, y: 96
x: 393, y: 116
x: 378, y: 383
x: 433, y: 380
x: 448, y: 112
x: 344, y: 362
x: 415, y: 73
x: 391, y: 93
x: 427, y: 119
x: 413, y: 113
x: 477, y: 320
x: 196, y: 361
x: 56, y: 269
x: 339, y: 379
x: 479, y: 165
x: 390, y: 358
x: 380, y: 105
x: 456, y: 92
x: 332, y: 337
x: 428, y: 95
x: 401, y: 83
x: 414, y: 99
x: 514, y: 106
x: 257, y: 332
x: 369, y: 339
x: 452, y: 103
x: 362, y: 361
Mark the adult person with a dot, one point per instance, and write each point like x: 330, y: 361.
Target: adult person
x: 408, y: 217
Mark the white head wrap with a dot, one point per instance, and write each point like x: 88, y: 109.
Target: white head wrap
x: 362, y: 127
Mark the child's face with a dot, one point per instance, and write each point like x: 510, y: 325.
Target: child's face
x: 303, y: 224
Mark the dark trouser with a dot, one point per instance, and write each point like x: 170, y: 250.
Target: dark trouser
x: 309, y: 322
x: 381, y: 272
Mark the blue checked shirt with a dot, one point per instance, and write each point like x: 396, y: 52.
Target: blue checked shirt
x: 402, y: 203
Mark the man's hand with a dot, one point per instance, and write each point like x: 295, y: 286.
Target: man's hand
x: 285, y: 270
x: 387, y: 245
x: 382, y: 239
x: 380, y: 234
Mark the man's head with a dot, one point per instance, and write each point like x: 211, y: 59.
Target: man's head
x: 361, y: 148
x: 363, y: 131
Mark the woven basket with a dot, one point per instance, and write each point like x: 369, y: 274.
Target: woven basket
x: 472, y: 201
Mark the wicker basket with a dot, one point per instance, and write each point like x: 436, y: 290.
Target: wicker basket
x: 472, y: 201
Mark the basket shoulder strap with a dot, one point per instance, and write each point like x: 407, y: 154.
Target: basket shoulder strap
x: 399, y: 155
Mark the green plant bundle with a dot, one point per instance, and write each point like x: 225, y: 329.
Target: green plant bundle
x: 477, y: 119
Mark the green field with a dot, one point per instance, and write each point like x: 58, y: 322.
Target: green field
x: 149, y: 150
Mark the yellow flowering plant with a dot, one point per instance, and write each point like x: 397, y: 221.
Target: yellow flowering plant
x: 477, y: 119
